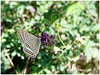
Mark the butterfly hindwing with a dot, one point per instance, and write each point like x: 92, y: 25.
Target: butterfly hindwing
x: 27, y: 52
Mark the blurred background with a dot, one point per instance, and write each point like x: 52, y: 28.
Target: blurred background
x: 75, y: 29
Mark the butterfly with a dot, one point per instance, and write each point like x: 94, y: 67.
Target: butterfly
x: 31, y: 43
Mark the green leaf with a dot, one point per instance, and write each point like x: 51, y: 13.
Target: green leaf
x: 56, y: 49
x: 95, y: 53
x: 71, y: 8
x: 62, y: 68
x: 28, y: 7
x: 95, y: 28
x: 90, y: 51
x: 88, y: 54
x: 20, y: 9
x: 13, y: 54
x: 47, y: 71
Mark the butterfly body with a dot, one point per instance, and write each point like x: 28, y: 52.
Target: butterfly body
x: 30, y: 43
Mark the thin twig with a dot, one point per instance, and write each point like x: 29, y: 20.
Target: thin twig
x: 94, y: 19
x: 25, y: 69
x: 10, y: 61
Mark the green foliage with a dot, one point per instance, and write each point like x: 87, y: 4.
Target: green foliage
x: 68, y: 21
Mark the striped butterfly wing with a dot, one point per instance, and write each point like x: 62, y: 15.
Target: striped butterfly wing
x: 31, y: 42
x: 28, y: 53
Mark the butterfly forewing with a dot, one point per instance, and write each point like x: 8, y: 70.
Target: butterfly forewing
x: 19, y: 33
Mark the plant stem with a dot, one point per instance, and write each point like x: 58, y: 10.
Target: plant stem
x: 60, y: 38
x: 25, y: 69
x: 94, y: 19
x: 10, y: 61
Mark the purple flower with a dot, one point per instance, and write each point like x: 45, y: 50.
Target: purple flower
x: 46, y: 39
x: 32, y: 10
x: 50, y: 36
x: 51, y: 40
